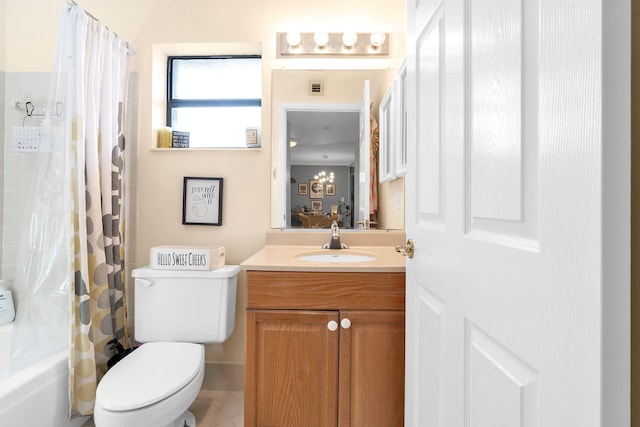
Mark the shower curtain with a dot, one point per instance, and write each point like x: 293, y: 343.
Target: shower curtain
x: 73, y: 248
x: 98, y: 63
x: 373, y: 169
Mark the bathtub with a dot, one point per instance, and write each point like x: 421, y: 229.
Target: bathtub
x: 36, y: 396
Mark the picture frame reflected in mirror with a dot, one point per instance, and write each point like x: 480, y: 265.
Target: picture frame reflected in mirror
x: 316, y: 189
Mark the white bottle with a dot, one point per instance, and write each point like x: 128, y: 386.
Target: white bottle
x: 7, y: 311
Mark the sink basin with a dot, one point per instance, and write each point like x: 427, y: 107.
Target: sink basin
x: 336, y: 256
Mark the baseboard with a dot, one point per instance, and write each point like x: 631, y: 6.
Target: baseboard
x: 223, y: 376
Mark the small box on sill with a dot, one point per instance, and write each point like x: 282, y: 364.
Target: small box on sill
x: 187, y: 257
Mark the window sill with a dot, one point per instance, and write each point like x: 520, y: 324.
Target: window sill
x: 208, y: 149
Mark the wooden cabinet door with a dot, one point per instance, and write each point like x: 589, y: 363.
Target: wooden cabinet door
x: 371, y: 369
x: 292, y: 369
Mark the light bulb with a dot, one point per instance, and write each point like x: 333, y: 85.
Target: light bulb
x: 349, y: 39
x: 293, y: 38
x: 321, y: 39
x: 377, y: 39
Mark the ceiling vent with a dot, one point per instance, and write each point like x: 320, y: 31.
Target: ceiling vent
x: 316, y: 88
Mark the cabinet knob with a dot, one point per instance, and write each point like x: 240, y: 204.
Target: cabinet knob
x: 332, y: 325
x: 345, y: 323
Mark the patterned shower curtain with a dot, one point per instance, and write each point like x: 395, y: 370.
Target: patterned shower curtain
x: 93, y: 68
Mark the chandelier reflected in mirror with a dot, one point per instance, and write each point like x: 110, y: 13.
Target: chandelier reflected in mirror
x: 325, y: 177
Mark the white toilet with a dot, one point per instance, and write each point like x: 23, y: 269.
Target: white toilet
x: 176, y: 311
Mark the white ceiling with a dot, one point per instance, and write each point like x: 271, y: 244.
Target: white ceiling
x: 324, y: 133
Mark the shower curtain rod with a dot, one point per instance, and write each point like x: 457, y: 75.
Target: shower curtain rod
x: 126, y: 43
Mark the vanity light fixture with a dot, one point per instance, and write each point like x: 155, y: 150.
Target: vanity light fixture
x: 349, y: 39
x: 348, y: 43
x: 321, y: 39
x: 293, y: 142
x: 293, y: 38
x: 377, y: 39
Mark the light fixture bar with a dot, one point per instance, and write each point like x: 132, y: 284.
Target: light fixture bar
x: 335, y: 46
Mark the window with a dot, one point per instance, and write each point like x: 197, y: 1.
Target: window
x: 214, y: 98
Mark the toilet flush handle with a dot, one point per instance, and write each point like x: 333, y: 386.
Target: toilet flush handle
x: 146, y: 283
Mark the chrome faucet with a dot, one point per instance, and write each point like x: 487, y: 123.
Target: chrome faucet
x: 335, y: 242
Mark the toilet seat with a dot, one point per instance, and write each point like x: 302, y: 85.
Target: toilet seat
x: 157, y: 380
x: 149, y: 374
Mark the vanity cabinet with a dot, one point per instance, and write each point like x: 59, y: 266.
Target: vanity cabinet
x: 324, y: 349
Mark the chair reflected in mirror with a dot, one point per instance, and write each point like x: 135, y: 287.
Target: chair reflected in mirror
x: 310, y: 220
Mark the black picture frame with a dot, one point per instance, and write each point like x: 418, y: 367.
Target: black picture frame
x: 202, y: 201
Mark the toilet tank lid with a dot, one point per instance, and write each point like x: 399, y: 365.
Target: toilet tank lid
x: 221, y: 273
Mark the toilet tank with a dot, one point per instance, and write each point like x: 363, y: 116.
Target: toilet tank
x: 184, y: 305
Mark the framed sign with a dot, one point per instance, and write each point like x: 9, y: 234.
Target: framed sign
x: 303, y: 189
x: 202, y: 201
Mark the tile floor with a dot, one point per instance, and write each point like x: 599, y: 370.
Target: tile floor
x: 215, y: 408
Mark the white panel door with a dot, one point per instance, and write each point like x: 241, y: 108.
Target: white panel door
x: 364, y: 156
x: 517, y: 195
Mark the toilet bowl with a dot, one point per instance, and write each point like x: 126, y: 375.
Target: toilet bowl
x: 152, y: 386
x: 176, y: 312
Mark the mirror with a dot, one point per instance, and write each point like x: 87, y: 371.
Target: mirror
x: 323, y: 164
x: 320, y: 111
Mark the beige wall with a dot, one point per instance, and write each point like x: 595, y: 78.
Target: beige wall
x: 30, y: 39
x: 30, y: 34
x: 3, y: 35
x: 635, y: 206
x: 391, y: 196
